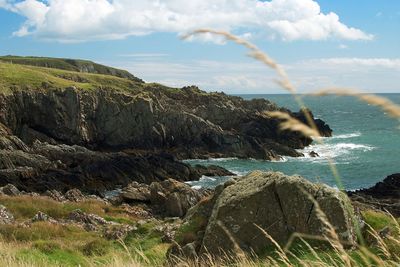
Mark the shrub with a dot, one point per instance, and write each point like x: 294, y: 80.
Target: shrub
x: 97, y: 247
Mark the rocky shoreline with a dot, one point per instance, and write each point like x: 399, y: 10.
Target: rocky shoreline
x: 384, y: 196
x: 191, y: 219
x: 66, y: 147
x: 100, y: 139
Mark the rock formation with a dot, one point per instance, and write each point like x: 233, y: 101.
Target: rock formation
x: 383, y: 196
x: 280, y: 205
x: 170, y: 197
x: 54, y: 137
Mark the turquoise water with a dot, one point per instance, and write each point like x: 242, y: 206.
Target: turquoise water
x: 365, y: 145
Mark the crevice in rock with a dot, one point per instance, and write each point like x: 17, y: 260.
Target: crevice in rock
x: 312, y: 206
x: 280, y: 206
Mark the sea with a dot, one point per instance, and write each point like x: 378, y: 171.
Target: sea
x: 365, y: 145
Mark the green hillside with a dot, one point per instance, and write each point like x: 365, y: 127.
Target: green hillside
x: 76, y: 65
x: 26, y: 77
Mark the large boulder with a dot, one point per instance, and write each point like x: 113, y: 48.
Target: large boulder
x: 174, y: 198
x: 280, y: 205
x: 136, y: 192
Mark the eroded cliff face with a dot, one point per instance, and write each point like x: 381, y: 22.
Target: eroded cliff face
x: 98, y: 139
x: 188, y: 123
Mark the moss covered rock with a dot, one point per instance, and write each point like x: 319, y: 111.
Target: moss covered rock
x: 278, y: 204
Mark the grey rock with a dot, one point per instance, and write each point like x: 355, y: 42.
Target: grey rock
x: 174, y: 197
x: 91, y: 222
x: 136, y: 192
x: 280, y: 205
x: 119, y: 232
x: 42, y: 217
x: 10, y: 190
x: 5, y: 216
x: 55, y: 195
x: 74, y: 195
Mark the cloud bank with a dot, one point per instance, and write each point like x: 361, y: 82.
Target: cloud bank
x: 366, y: 74
x: 85, y: 20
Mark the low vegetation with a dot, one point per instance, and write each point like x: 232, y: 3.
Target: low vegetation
x: 49, y: 244
x: 24, y: 77
x: 76, y: 65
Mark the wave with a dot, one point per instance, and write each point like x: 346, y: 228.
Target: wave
x: 346, y: 136
x: 208, y: 160
x: 343, y: 151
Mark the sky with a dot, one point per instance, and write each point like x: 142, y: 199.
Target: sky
x: 324, y: 43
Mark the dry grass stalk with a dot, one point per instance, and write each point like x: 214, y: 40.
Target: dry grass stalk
x: 239, y: 252
x: 385, y: 104
x: 330, y: 232
x: 280, y: 251
x: 264, y: 58
x: 255, y: 53
x: 292, y: 124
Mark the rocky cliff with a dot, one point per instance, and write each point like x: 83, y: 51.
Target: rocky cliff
x: 96, y: 124
x: 187, y: 122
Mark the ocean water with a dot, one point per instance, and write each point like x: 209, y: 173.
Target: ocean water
x: 365, y: 145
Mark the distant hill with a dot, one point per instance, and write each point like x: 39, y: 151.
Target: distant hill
x: 84, y: 66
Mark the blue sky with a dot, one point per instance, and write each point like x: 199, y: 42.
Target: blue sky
x: 324, y: 43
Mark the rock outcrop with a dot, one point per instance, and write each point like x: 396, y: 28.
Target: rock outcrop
x: 5, y: 216
x: 54, y: 138
x: 187, y: 122
x: 43, y: 166
x: 170, y: 197
x: 383, y: 196
x: 280, y: 205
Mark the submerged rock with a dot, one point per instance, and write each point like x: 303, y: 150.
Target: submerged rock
x: 280, y: 205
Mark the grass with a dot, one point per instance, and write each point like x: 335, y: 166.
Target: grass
x: 24, y: 207
x: 58, y: 245
x: 75, y: 65
x: 48, y: 244
x: 34, y: 78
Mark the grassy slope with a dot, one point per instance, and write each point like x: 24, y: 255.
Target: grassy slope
x: 35, y: 78
x: 76, y: 65
x: 46, y: 244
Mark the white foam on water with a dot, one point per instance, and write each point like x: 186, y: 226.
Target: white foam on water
x: 208, y: 160
x: 282, y: 159
x: 346, y: 136
x: 333, y: 151
x: 197, y: 187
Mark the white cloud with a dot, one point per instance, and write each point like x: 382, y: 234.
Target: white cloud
x: 366, y: 62
x: 82, y: 20
x: 366, y: 74
x: 343, y: 46
x: 144, y: 55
